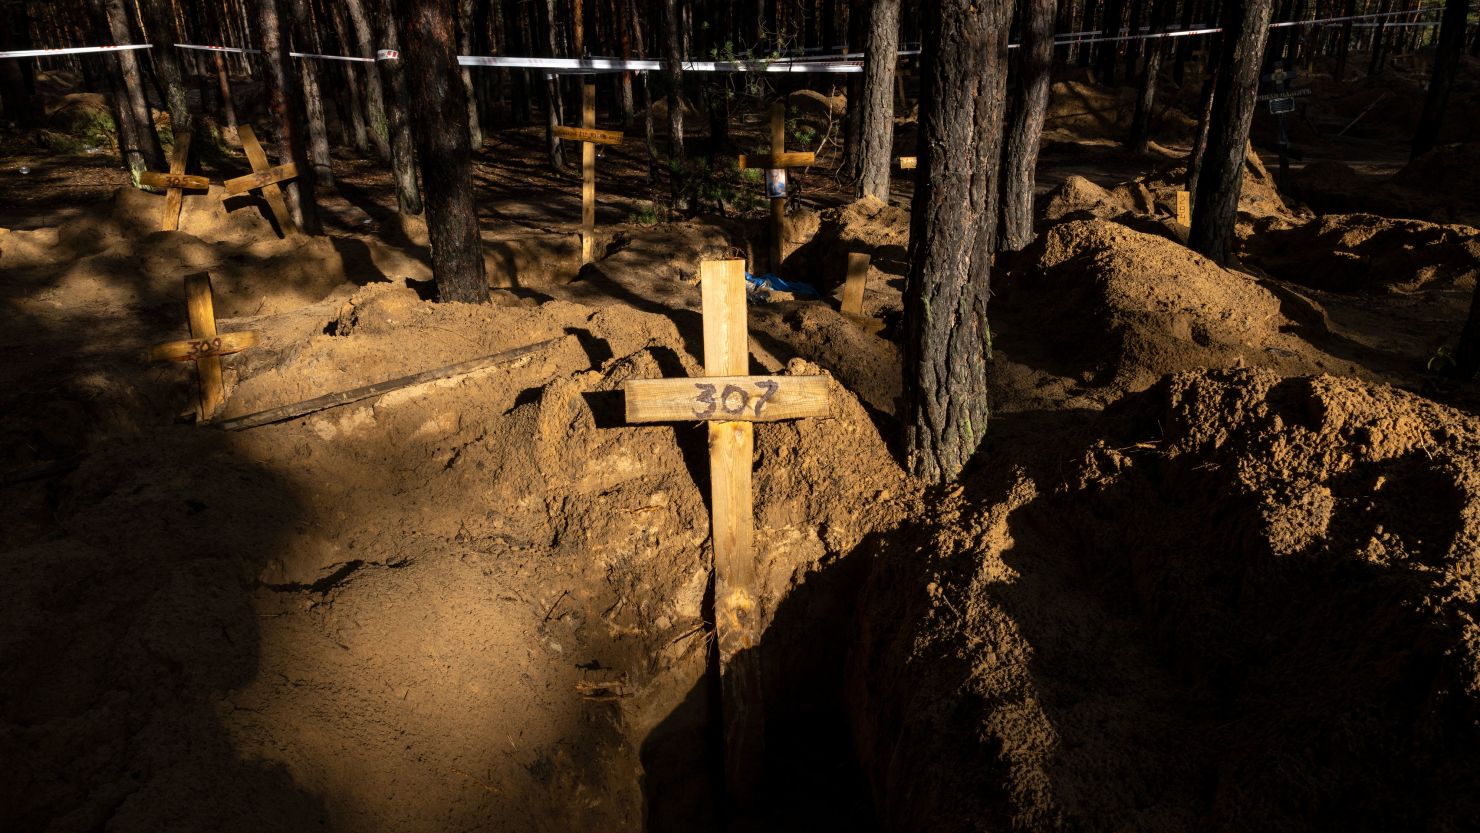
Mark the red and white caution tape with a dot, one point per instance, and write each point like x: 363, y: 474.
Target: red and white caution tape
x: 72, y: 50
x: 625, y: 64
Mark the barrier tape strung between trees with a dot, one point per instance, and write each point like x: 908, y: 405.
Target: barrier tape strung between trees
x: 844, y: 62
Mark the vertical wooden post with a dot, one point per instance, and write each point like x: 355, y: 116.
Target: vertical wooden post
x: 272, y: 193
x: 857, y: 278
x: 778, y: 204
x: 588, y: 175
x: 174, y: 198
x: 1184, y: 209
x: 202, y: 312
x: 731, y: 451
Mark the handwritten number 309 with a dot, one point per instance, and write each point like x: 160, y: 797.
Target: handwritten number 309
x: 733, y: 400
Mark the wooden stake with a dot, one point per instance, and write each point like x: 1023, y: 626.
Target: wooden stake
x: 1184, y: 209
x: 588, y: 175
x: 175, y: 182
x: 731, y: 401
x: 270, y: 190
x: 857, y: 278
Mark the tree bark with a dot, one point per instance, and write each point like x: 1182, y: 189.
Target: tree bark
x: 952, y: 234
x: 673, y: 63
x: 552, y: 93
x: 1344, y: 49
x: 379, y: 122
x: 162, y: 34
x: 285, y: 105
x: 1245, y: 28
x: 466, y: 22
x: 1146, y: 95
x: 403, y: 150
x: 16, y: 103
x: 145, y: 152
x: 1087, y: 24
x: 1106, y: 51
x: 440, y: 110
x: 1029, y: 105
x: 313, y: 100
x: 1446, y: 66
x: 876, y: 130
x: 354, y: 117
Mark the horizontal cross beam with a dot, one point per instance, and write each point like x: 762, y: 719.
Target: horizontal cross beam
x: 261, y: 179
x: 190, y: 182
x: 223, y: 344
x: 589, y: 134
x: 771, y: 161
x: 727, y: 398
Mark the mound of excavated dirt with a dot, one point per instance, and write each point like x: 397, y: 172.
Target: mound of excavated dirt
x: 1448, y: 174
x: 1239, y: 602
x: 1118, y: 308
x: 479, y: 602
x: 1357, y: 252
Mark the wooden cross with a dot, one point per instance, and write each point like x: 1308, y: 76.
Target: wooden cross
x: 205, y: 346
x: 175, y: 183
x: 730, y: 401
x: 589, y: 137
x: 264, y: 177
x: 776, y: 164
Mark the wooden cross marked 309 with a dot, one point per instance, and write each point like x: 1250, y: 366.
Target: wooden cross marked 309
x: 731, y: 401
x: 589, y: 137
x: 205, y: 346
x: 175, y: 183
x: 264, y: 177
x: 777, y: 160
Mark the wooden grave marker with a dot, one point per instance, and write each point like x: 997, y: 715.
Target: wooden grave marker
x: 175, y: 183
x: 264, y: 177
x: 908, y: 163
x: 1184, y: 209
x: 731, y: 402
x: 854, y: 285
x: 205, y: 346
x: 775, y: 163
x: 589, y: 137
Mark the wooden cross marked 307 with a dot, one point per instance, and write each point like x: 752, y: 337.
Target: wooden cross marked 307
x: 205, y: 346
x: 175, y: 183
x: 589, y: 137
x: 731, y: 401
x: 777, y: 160
x: 266, y: 178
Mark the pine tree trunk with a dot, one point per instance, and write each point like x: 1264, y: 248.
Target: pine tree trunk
x: 552, y: 94
x: 167, y: 68
x: 1146, y: 94
x: 673, y: 63
x: 1446, y: 66
x: 440, y: 115
x: 313, y: 100
x: 1467, y: 357
x: 353, y: 115
x: 375, y: 114
x: 1087, y: 24
x: 1030, y: 104
x: 952, y: 234
x: 285, y: 106
x: 1245, y: 29
x: 393, y: 79
x: 466, y: 23
x: 145, y: 153
x: 1106, y: 51
x: 876, y: 128
x: 15, y: 95
x: 1344, y: 49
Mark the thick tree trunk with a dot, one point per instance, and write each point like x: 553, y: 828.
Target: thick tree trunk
x: 876, y: 128
x: 353, y: 116
x: 1245, y: 29
x: 1446, y: 65
x: 393, y: 79
x: 285, y: 106
x: 313, y: 100
x: 1146, y: 95
x: 1029, y: 104
x: 673, y: 64
x: 1344, y: 48
x: 952, y: 234
x: 1200, y: 137
x: 159, y: 17
x: 440, y: 110
x: 375, y: 114
x: 1467, y: 357
x: 1375, y: 58
x: 145, y: 152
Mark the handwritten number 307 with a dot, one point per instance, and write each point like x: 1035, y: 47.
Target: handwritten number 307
x: 733, y: 400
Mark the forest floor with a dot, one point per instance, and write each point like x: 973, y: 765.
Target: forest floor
x: 1214, y: 568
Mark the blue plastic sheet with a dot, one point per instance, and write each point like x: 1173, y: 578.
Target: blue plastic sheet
x: 775, y: 284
